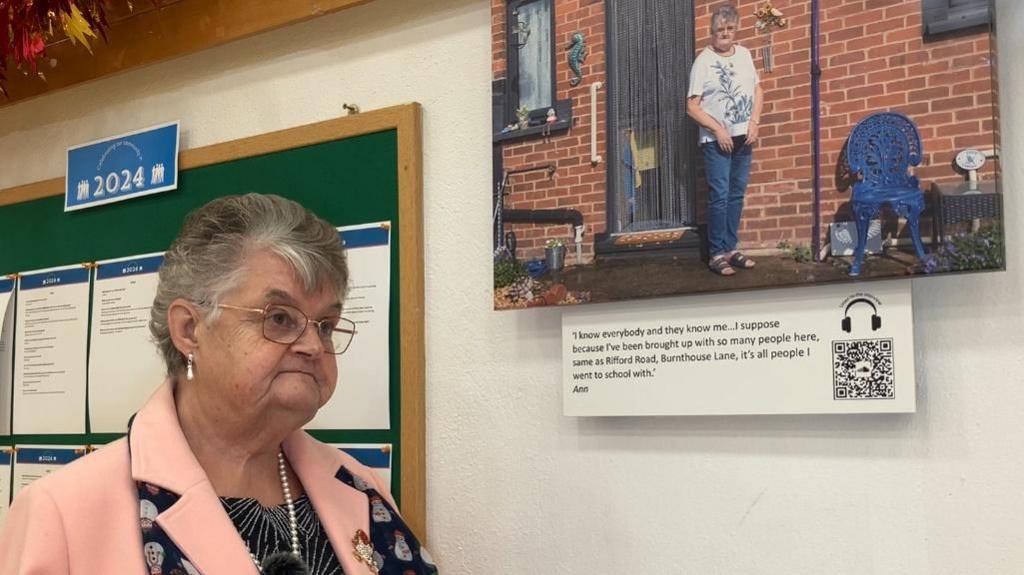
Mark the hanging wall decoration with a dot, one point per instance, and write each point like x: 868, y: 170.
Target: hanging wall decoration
x: 41, y: 40
x: 768, y: 19
x: 577, y: 49
x: 26, y: 26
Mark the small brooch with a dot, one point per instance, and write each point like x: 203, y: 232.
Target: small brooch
x: 364, y: 550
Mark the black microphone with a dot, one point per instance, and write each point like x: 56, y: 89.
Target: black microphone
x: 284, y: 563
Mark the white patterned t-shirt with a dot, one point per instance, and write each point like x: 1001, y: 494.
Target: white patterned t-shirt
x: 726, y: 86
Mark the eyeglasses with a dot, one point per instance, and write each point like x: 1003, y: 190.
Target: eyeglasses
x: 285, y: 324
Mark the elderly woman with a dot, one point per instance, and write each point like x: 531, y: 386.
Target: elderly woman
x: 216, y: 475
x: 725, y: 99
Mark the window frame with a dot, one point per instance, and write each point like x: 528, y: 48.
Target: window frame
x: 942, y: 17
x: 512, y: 62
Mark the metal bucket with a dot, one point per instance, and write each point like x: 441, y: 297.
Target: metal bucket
x: 555, y: 257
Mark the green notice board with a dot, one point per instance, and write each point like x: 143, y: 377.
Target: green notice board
x: 349, y: 171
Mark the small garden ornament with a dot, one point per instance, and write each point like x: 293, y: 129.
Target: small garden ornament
x: 768, y: 19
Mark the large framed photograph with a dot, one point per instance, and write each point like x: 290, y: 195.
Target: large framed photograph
x: 649, y: 148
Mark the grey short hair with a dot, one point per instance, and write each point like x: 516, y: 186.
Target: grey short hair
x: 725, y: 12
x: 207, y: 259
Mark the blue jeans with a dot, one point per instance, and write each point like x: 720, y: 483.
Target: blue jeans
x: 727, y: 174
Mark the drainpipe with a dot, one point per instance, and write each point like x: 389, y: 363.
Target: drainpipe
x: 815, y: 132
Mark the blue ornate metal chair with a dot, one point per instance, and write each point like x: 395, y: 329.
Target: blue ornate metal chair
x: 881, y: 149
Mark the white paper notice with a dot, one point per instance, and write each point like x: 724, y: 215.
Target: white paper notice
x: 376, y: 456
x: 5, y: 483
x: 6, y: 353
x: 50, y: 351
x: 34, y: 461
x: 124, y: 366
x: 362, y: 397
x: 826, y: 349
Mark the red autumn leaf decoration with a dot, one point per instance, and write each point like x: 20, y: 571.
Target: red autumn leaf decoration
x: 26, y: 26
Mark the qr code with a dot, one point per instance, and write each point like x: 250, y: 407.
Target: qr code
x: 863, y: 369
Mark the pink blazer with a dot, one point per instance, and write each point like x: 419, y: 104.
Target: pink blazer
x: 84, y: 519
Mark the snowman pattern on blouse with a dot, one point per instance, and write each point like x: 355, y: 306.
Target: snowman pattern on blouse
x: 398, y: 550
x: 154, y: 556
x: 147, y: 514
x: 161, y: 555
x: 402, y: 550
x: 379, y: 513
x: 359, y: 484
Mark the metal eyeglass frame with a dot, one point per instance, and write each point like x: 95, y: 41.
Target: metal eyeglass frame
x: 317, y: 322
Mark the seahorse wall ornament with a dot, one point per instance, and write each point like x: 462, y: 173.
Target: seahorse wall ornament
x: 577, y: 54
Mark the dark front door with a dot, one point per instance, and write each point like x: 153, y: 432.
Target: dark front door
x: 651, y: 144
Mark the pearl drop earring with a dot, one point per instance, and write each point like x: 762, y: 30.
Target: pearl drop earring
x: 189, y: 373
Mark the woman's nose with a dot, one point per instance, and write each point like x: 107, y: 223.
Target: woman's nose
x: 309, y: 342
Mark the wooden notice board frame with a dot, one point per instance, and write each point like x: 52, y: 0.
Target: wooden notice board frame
x: 400, y: 130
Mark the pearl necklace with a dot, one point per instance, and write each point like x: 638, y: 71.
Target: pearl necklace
x: 289, y: 504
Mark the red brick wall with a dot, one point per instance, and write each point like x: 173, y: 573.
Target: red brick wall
x: 576, y: 183
x: 873, y: 58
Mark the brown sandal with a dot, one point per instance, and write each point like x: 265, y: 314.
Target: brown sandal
x: 720, y: 265
x: 741, y: 261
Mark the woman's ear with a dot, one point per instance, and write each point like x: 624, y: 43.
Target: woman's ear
x: 182, y: 320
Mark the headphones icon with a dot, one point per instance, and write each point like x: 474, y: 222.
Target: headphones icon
x: 876, y: 320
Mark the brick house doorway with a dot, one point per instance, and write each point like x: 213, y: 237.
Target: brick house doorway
x: 652, y: 150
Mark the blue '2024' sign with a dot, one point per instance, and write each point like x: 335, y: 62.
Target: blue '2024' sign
x: 126, y: 166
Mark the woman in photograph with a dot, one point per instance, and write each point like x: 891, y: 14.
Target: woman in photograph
x: 216, y: 474
x: 725, y: 99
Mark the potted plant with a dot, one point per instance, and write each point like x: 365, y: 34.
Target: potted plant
x: 523, y: 115
x: 554, y: 254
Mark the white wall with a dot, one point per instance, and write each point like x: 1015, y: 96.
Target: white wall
x: 515, y: 487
